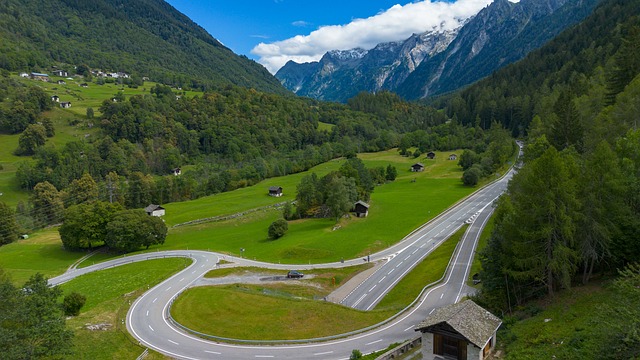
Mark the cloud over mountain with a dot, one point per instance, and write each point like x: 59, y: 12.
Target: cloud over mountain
x: 396, y: 23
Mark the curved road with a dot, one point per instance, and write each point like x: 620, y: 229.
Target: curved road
x: 146, y: 319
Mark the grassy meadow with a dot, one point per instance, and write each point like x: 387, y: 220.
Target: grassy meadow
x: 397, y: 208
x: 42, y: 253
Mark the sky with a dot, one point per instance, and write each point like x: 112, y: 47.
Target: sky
x: 273, y: 32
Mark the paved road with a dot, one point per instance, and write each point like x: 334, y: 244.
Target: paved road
x: 147, y: 317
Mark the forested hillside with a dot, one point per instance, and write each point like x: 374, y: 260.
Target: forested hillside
x: 572, y: 212
x: 145, y: 38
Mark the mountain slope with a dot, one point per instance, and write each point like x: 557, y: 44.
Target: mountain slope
x: 500, y: 34
x: 143, y: 37
x: 340, y: 75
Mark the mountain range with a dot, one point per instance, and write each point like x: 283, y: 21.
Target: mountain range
x: 438, y: 60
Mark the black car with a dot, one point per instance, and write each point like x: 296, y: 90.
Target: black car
x: 293, y: 274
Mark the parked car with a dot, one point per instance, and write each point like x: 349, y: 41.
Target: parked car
x: 293, y: 274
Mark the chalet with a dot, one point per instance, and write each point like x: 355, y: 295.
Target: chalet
x: 84, y: 85
x: 461, y: 331
x: 176, y: 171
x: 154, y: 210
x: 24, y: 75
x: 431, y: 155
x: 65, y: 105
x: 61, y: 73
x: 55, y: 98
x: 417, y: 167
x: 275, y: 191
x: 61, y: 82
x: 453, y: 157
x: 39, y: 76
x: 361, y: 208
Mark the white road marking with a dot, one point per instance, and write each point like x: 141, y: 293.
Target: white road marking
x: 389, y: 273
x: 147, y: 312
x: 154, y: 300
x: 374, y: 286
x: 407, y: 258
x: 399, y: 264
x: 180, y: 280
x: 151, y: 328
x: 323, y: 353
x: 441, y: 296
x: 382, y: 279
x: 373, y: 342
x: 202, y: 266
x: 212, y: 352
x: 173, y: 342
x: 169, y: 288
x: 414, y: 251
x: 264, y: 356
x: 431, y: 312
x: 421, y: 246
x: 358, y: 302
x: 193, y: 272
x: 409, y: 328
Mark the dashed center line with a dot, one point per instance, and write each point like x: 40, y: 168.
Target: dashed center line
x: 441, y: 296
x: 323, y: 353
x: 409, y: 328
x: 173, y: 342
x: 431, y: 312
x: 389, y: 273
x: 212, y: 352
x: 264, y: 356
x: 407, y: 258
x: 154, y: 300
x: 151, y: 328
x: 147, y: 312
x: 374, y: 286
x: 169, y: 288
x: 382, y: 279
x: 180, y: 280
x: 373, y: 342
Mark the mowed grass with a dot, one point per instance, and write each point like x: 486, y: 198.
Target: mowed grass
x: 431, y: 269
x: 243, y: 199
x: 397, y: 208
x: 109, y: 295
x: 225, y: 311
x: 42, y: 252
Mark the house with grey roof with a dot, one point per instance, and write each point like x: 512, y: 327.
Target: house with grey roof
x: 462, y: 331
x: 361, y: 208
x: 154, y: 210
x: 275, y: 191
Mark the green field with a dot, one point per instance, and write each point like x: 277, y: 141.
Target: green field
x: 42, y: 253
x: 271, y: 317
x: 109, y: 294
x: 397, y: 208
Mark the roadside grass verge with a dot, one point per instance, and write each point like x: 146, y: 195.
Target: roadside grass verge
x: 42, y: 252
x: 476, y: 265
x: 428, y: 271
x: 226, y: 310
x: 109, y: 295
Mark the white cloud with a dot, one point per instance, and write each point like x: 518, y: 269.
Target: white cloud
x: 396, y: 23
x: 300, y: 23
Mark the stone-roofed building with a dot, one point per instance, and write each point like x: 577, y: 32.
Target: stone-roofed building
x: 154, y: 210
x: 461, y: 331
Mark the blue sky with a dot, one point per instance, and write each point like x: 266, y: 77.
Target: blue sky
x: 275, y: 31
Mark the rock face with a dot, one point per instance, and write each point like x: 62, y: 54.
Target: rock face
x: 341, y: 74
x: 438, y: 61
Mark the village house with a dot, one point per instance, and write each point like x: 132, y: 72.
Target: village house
x: 275, y: 191
x: 453, y: 157
x: 417, y: 167
x: 154, y: 210
x: 361, y: 209
x: 462, y: 331
x: 177, y: 171
x: 61, y: 73
x: 65, y: 105
x: 39, y: 76
x: 55, y: 98
x: 431, y: 155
